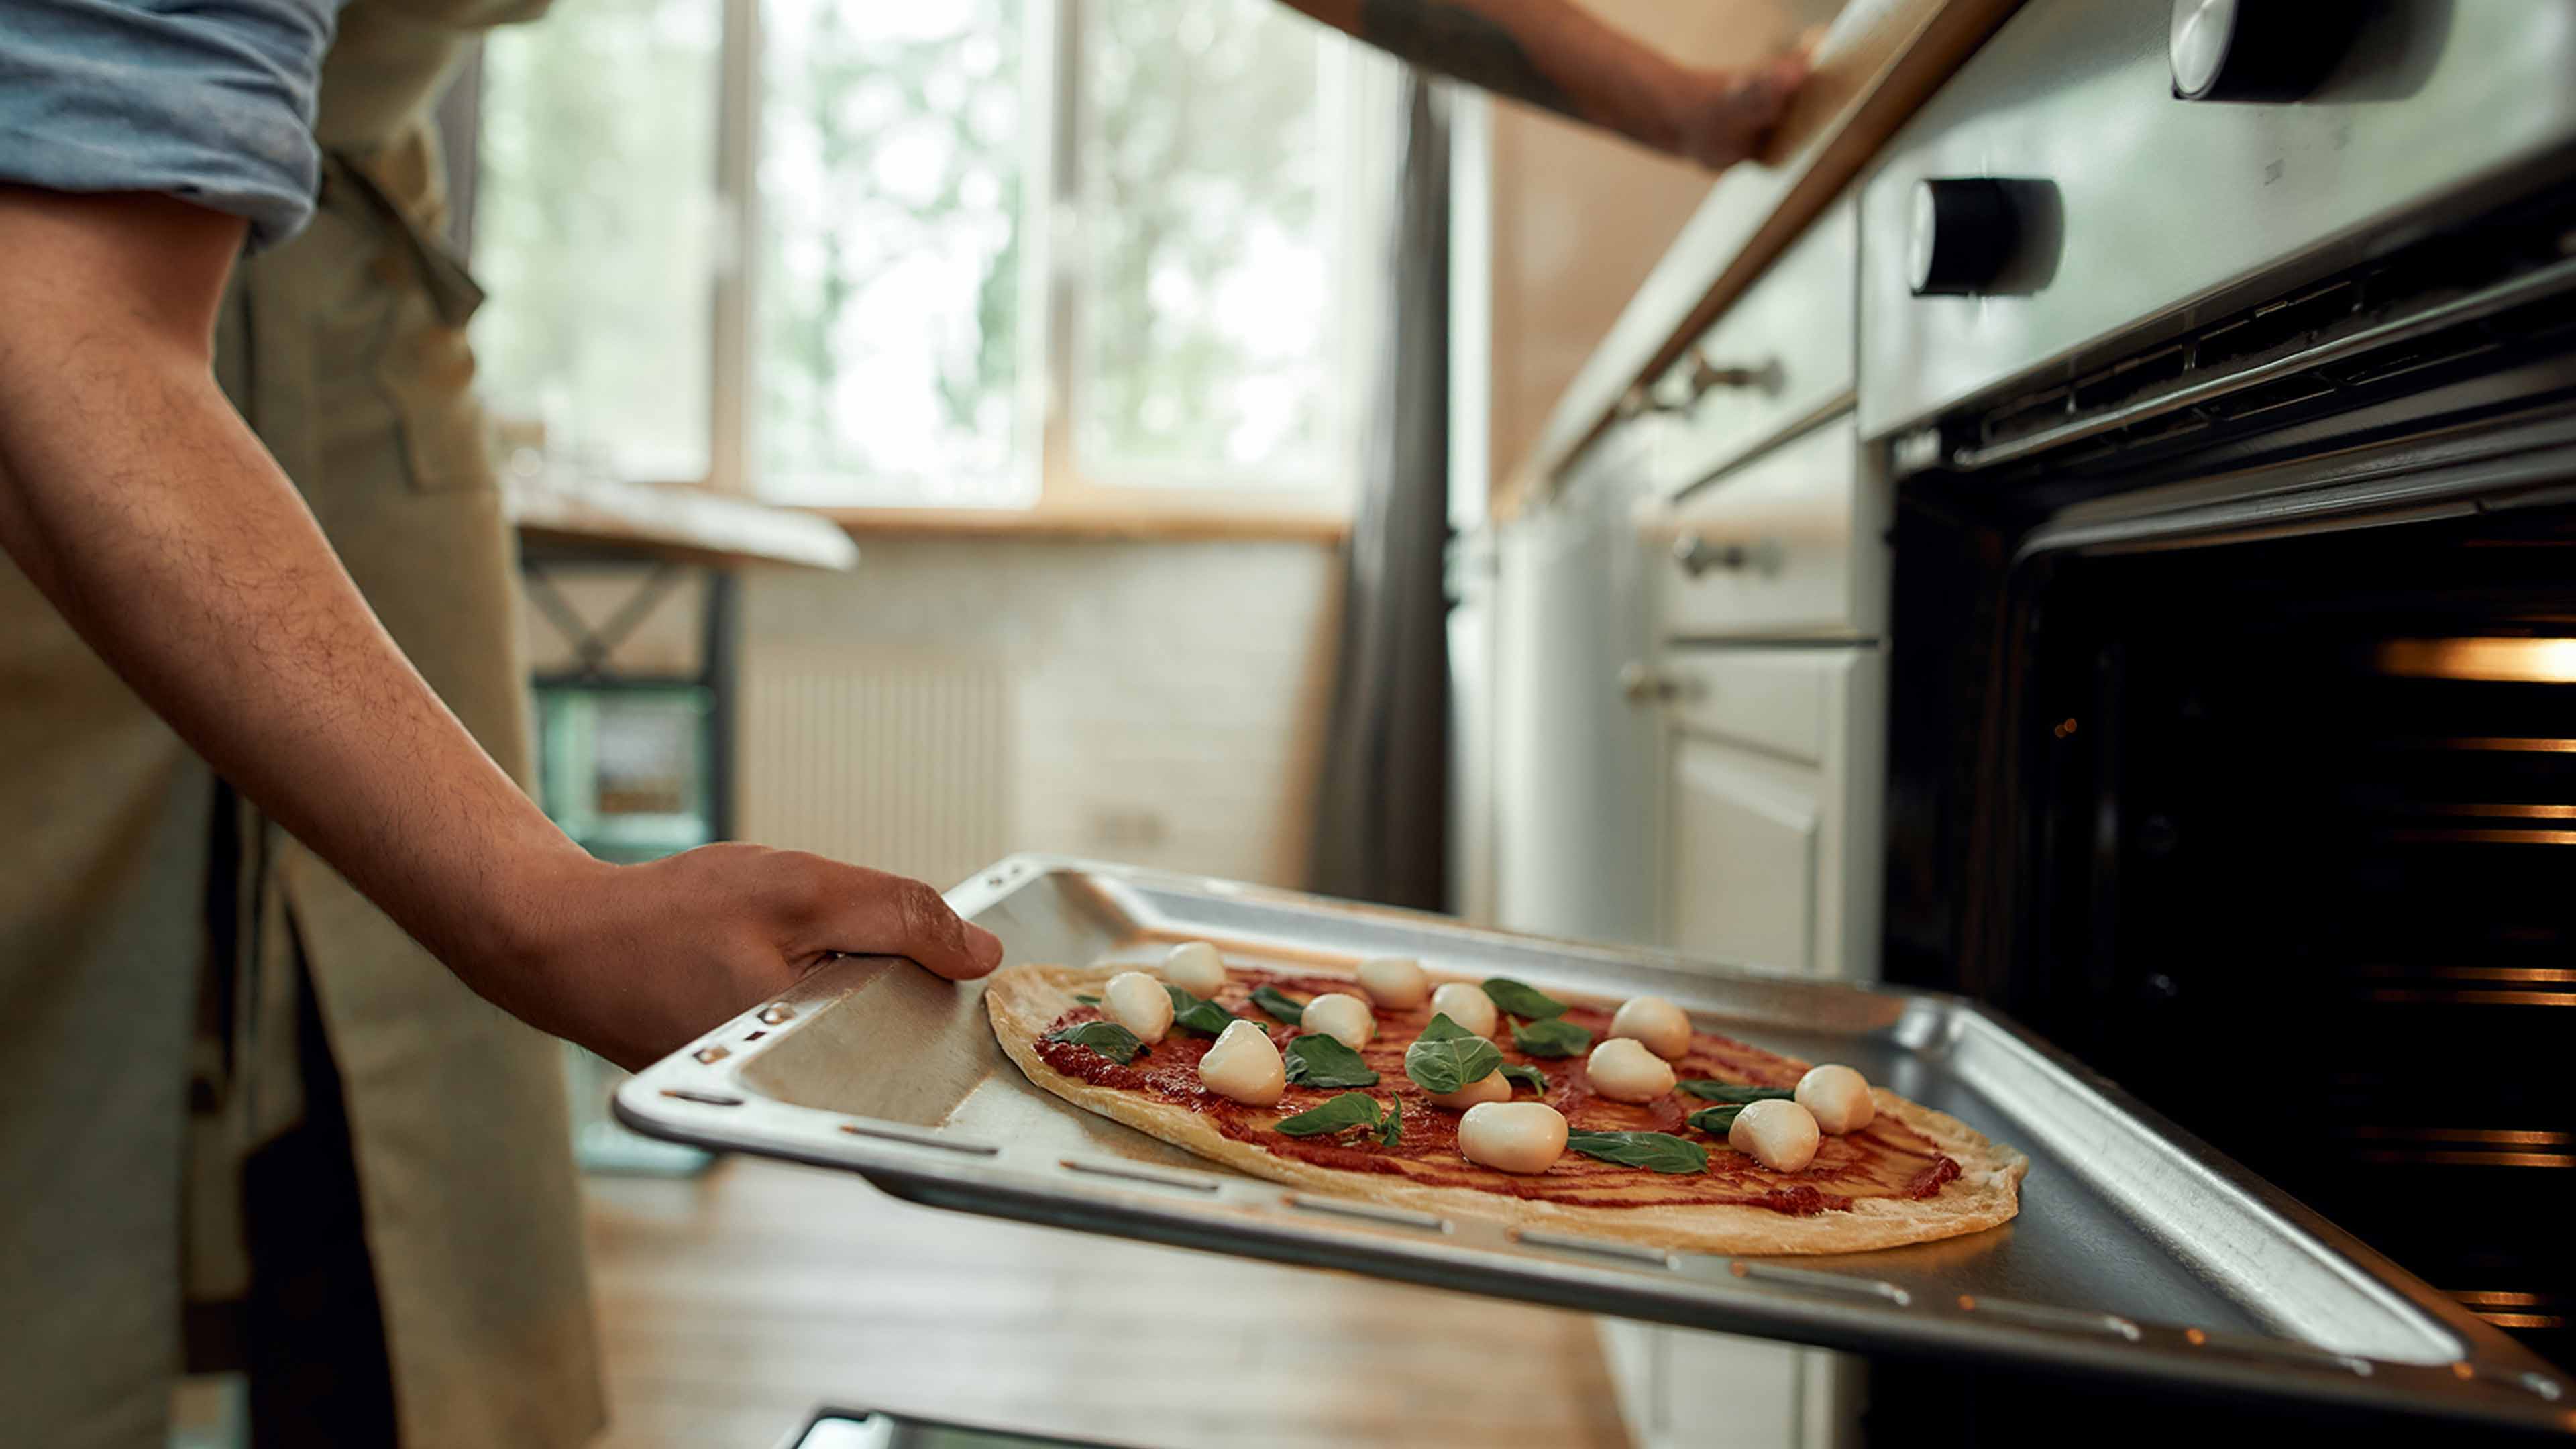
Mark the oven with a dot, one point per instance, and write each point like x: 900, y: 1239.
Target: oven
x: 2224, y: 355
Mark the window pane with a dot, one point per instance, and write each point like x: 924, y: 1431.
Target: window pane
x: 887, y: 347
x: 593, y: 220
x: 1207, y: 319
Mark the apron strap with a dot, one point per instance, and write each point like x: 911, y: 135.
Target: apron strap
x: 452, y: 289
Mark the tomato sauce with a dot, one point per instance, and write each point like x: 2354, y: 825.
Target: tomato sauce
x: 1887, y: 1159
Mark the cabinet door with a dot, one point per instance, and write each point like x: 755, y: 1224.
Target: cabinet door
x: 1743, y: 829
x: 1774, y: 765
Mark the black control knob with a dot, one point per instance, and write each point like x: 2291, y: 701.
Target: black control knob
x: 2257, y: 50
x: 1962, y: 234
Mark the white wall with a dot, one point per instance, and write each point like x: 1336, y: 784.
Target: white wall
x: 1166, y: 699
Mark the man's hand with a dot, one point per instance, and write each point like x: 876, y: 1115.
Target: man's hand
x: 137, y: 500
x: 1719, y: 117
x: 1556, y: 55
x: 632, y: 961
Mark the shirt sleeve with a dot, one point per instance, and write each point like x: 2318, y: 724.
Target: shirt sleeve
x: 210, y: 101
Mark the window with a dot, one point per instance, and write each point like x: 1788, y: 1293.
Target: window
x: 991, y: 253
x: 600, y: 348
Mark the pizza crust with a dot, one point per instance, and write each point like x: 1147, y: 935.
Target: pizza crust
x: 1024, y: 999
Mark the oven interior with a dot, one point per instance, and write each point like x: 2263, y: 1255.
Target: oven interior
x: 2234, y: 751
x: 2280, y: 835
x: 2298, y: 846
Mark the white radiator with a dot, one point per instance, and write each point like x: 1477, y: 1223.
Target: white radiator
x: 895, y: 762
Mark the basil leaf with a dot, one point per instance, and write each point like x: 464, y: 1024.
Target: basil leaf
x: 1715, y: 1120
x: 1552, y: 1039
x: 1390, y: 1133
x: 1279, y: 1004
x: 1086, y: 1000
x: 1717, y: 1091
x: 1317, y: 1060
x: 1197, y: 1013
x: 1660, y: 1151
x: 1443, y: 1029
x: 1107, y: 1038
x: 1339, y: 1114
x: 1520, y: 999
x: 1444, y: 1064
x: 1527, y: 1075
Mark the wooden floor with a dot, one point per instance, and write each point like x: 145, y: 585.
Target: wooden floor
x: 732, y: 1304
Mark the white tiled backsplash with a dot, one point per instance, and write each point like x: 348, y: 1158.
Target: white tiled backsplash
x: 1158, y: 703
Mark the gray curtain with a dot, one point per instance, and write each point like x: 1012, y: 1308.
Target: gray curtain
x: 1382, y: 809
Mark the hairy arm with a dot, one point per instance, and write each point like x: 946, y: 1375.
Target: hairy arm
x: 1556, y: 55
x: 136, y: 499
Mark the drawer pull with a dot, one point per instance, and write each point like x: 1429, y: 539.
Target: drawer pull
x: 1707, y: 377
x: 1643, y: 683
x: 1696, y: 555
x: 1642, y: 401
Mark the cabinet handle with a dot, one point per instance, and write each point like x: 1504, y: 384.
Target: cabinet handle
x: 1641, y: 683
x: 1642, y: 400
x: 1695, y: 555
x: 1707, y: 377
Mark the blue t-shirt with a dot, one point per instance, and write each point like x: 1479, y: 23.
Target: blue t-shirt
x: 210, y: 101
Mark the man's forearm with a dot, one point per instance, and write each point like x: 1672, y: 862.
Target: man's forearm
x: 139, y: 502
x: 1550, y: 53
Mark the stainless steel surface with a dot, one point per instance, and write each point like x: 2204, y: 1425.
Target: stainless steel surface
x: 2156, y: 206
x: 1789, y: 545
x: 2529, y: 287
x: 2138, y: 1251
x: 1786, y: 346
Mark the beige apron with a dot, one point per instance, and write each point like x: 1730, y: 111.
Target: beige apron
x: 344, y: 349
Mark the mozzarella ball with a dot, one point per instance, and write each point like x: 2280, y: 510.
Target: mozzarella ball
x: 1837, y: 1097
x: 1514, y: 1136
x: 1395, y: 981
x: 1466, y: 1005
x: 1139, y: 1003
x: 1662, y: 1026
x: 1244, y: 1067
x: 1624, y: 1071
x: 1195, y: 967
x: 1343, y: 1017
x: 1491, y: 1087
x: 1779, y: 1135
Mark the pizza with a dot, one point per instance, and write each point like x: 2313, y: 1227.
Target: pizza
x: 1626, y: 1122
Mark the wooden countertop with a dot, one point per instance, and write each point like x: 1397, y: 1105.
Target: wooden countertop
x: 1170, y: 522
x: 692, y: 525
x: 696, y: 525
x: 1878, y: 61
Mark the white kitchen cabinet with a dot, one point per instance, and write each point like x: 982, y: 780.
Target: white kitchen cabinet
x: 1773, y: 770
x: 1576, y: 770
x: 1774, y: 767
x: 1741, y: 855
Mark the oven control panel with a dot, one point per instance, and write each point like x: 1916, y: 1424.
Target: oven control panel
x: 2099, y: 175
x: 2257, y: 50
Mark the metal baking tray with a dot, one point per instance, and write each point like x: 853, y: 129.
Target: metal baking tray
x: 2139, y: 1252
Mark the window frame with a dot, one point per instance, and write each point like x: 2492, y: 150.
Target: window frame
x: 1361, y: 109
